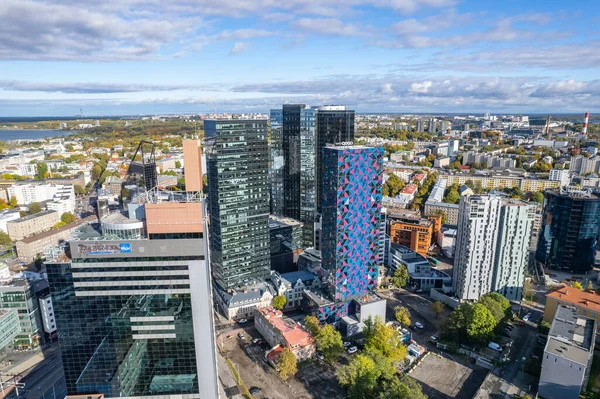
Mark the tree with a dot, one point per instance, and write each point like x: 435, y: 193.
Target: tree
x: 402, y: 315
x: 96, y: 171
x: 286, y: 364
x: 178, y: 164
x: 68, y: 217
x: 589, y: 286
x: 312, y: 325
x: 13, y: 201
x: 58, y: 225
x: 79, y: 190
x: 577, y: 284
x: 279, y: 302
x: 393, y: 185
x: 205, y: 183
x: 443, y: 214
x: 34, y: 208
x: 359, y: 377
x: 544, y: 327
x: 404, y: 387
x: 42, y: 169
x: 329, y: 342
x: 400, y: 278
x: 453, y: 197
x: 385, y: 339
x: 480, y: 323
x: 5, y: 240
x: 496, y: 304
x: 69, y: 147
x: 528, y: 291
x: 537, y: 197
x: 438, y: 308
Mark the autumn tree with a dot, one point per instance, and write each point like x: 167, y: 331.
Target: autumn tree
x: 311, y: 323
x: 279, y: 302
x: 402, y: 315
x: 403, y: 387
x: 5, y: 240
x: 13, y: 201
x: 385, y: 339
x: 438, y: 308
x: 329, y: 342
x: 287, y: 364
x: 41, y: 171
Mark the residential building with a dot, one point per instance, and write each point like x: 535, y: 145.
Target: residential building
x: 568, y: 355
x: 434, y: 208
x: 409, y: 191
x: 286, y: 243
x: 135, y: 316
x: 10, y: 326
x: 437, y: 192
x: 583, y: 165
x: 352, y: 179
x: 29, y: 248
x: 561, y: 175
x: 492, y: 246
x: 570, y: 226
x: 293, y: 284
x: 6, y: 216
x: 236, y: 304
x: 30, y: 225
x: 414, y: 233
x: 279, y: 330
x: 20, y: 294
x: 441, y: 162
x: 420, y: 126
x: 335, y: 124
x: 237, y: 155
x: 31, y: 192
x: 586, y: 302
x: 298, y: 149
x: 431, y: 125
x: 500, y: 181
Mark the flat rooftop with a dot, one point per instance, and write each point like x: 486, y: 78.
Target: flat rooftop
x: 571, y: 336
x: 29, y: 217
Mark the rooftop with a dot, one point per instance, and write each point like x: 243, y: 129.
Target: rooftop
x: 49, y: 233
x: 292, y: 331
x: 409, y: 189
x: 34, y: 216
x: 571, y: 336
x: 412, y: 221
x: 293, y: 277
x: 575, y: 297
x: 279, y: 221
x: 370, y: 298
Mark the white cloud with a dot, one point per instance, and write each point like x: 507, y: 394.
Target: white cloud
x: 238, y: 48
x: 422, y: 87
x: 328, y: 26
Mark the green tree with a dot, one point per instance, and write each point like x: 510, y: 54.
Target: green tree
x: 205, y: 183
x: 42, y: 169
x: 69, y: 147
x: 385, y: 339
x: 453, y: 197
x: 34, y: 208
x: 58, y: 225
x: 13, y: 201
x: 400, y: 278
x: 402, y: 315
x: 544, y: 327
x: 393, y: 185
x: 286, y: 364
x: 537, y: 197
x: 5, y: 240
x: 359, y: 377
x: 177, y: 164
x: 589, y: 286
x: 279, y: 302
x: 404, y: 387
x: 96, y: 171
x: 528, y: 291
x: 329, y: 342
x: 480, y: 323
x: 67, y: 218
x: 79, y: 190
x: 312, y: 325
x: 438, y: 308
x: 496, y: 304
x: 443, y: 214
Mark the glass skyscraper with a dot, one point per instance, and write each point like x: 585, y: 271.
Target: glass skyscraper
x: 335, y: 124
x: 568, y: 238
x: 276, y: 162
x: 351, y: 239
x: 237, y: 158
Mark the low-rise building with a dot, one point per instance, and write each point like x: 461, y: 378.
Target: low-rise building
x: 416, y: 234
x: 293, y: 284
x: 587, y: 303
x: 446, y: 240
x: 30, y: 225
x: 568, y: 355
x: 243, y: 303
x: 434, y: 208
x: 278, y: 330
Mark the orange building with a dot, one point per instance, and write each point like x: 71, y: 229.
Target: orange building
x: 587, y: 303
x: 416, y: 234
x: 192, y: 166
x: 437, y: 223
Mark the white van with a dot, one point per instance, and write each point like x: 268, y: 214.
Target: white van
x: 495, y: 346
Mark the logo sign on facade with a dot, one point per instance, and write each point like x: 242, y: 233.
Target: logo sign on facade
x: 125, y: 247
x: 104, y: 249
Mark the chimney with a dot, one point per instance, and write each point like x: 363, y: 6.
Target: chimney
x: 585, y: 123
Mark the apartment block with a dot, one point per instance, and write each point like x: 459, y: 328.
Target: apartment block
x: 32, y: 224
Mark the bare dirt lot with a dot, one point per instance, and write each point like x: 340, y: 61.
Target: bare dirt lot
x: 443, y: 378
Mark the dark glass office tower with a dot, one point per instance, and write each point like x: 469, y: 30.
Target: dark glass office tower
x: 335, y: 124
x: 276, y: 162
x: 135, y: 318
x: 569, y: 235
x: 237, y: 158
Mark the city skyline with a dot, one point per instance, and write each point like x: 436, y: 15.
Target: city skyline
x: 137, y: 57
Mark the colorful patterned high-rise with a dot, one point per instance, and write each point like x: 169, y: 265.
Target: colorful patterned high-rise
x: 352, y: 180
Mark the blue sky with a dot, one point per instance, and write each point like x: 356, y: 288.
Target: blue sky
x: 151, y: 56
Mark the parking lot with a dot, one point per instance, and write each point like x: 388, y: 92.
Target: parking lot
x: 443, y: 378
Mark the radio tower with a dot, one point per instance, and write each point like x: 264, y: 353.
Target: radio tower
x: 585, y: 123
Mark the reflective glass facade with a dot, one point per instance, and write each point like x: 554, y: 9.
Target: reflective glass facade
x: 568, y: 238
x: 352, y: 179
x: 237, y: 158
x: 276, y: 162
x: 125, y: 326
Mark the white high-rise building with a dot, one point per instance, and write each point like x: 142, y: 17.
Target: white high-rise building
x: 492, y: 246
x: 561, y: 175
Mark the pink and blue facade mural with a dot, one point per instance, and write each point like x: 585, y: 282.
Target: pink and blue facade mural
x: 352, y: 181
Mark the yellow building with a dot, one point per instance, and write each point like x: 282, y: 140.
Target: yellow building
x: 586, y: 303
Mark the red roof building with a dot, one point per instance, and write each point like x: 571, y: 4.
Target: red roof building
x: 278, y: 330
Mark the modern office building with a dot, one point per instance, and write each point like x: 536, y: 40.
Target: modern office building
x: 567, y: 359
x: 237, y: 156
x: 286, y: 243
x: 352, y: 179
x: 568, y: 238
x: 10, y: 326
x: 276, y: 162
x: 335, y: 124
x: 492, y: 246
x: 414, y: 233
x: 20, y: 294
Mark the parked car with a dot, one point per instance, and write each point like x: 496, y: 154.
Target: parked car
x: 505, y: 333
x: 542, y: 340
x: 527, y: 317
x: 346, y: 344
x: 242, y: 321
x: 419, y: 325
x: 256, y: 340
x: 495, y: 346
x: 320, y: 356
x: 418, y: 290
x: 241, y: 336
x: 433, y: 339
x: 352, y: 349
x: 254, y: 390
